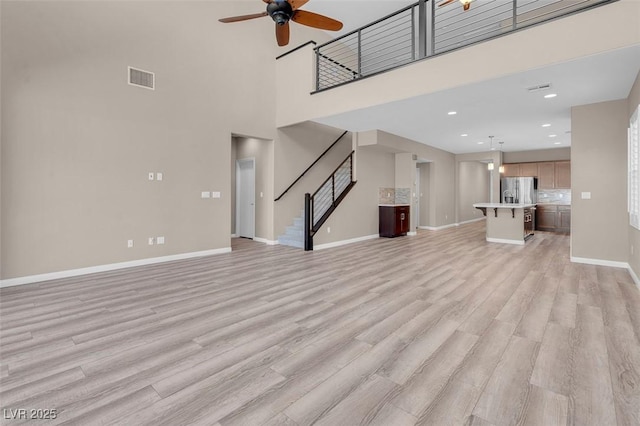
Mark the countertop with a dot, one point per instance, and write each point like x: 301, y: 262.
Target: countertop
x: 502, y: 205
x: 393, y: 205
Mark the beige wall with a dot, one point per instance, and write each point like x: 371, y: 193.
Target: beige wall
x: 473, y: 187
x: 78, y: 142
x: 600, y: 225
x: 425, y: 172
x: 262, y: 152
x: 557, y: 154
x: 634, y: 234
x: 519, y: 52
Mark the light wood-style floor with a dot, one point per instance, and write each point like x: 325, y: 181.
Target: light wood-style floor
x: 437, y: 329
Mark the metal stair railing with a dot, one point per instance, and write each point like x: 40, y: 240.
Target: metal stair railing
x: 319, y: 206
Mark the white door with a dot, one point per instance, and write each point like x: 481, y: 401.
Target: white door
x: 245, y: 197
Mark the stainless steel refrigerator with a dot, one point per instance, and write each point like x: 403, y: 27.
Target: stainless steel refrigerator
x: 519, y: 190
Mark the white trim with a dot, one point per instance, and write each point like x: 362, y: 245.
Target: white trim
x: 477, y: 219
x: 412, y: 234
x: 451, y: 225
x: 505, y: 241
x: 438, y: 228
x: 108, y: 267
x: 234, y: 235
x: 636, y: 279
x: 600, y: 262
x: 344, y: 242
x: 265, y: 241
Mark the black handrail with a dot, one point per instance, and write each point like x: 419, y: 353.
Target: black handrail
x: 296, y: 48
x: 311, y: 225
x: 312, y: 164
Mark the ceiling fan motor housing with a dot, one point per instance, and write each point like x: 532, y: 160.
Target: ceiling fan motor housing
x: 280, y: 11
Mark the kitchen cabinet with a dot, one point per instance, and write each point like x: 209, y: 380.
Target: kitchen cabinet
x: 564, y: 219
x: 511, y: 170
x: 529, y: 169
x: 393, y: 220
x: 546, y: 175
x: 562, y: 175
x: 553, y: 218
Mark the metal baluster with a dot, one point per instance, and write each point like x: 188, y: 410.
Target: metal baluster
x: 514, y: 14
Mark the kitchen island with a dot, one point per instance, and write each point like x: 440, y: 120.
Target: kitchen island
x: 508, y: 223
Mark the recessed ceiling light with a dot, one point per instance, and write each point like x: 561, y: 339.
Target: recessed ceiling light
x: 464, y: 134
x: 550, y: 95
x: 552, y: 136
x: 452, y: 113
x: 480, y: 143
x: 546, y: 125
x: 557, y: 143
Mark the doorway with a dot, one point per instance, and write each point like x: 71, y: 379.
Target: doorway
x: 246, y: 197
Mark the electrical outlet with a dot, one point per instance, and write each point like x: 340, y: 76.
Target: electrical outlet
x: 151, y: 240
x: 159, y: 240
x: 130, y: 244
x: 205, y: 194
x: 159, y: 176
x: 151, y: 175
x: 328, y: 229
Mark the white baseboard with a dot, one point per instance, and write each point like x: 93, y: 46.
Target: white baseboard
x: 600, y: 262
x: 438, y: 228
x: 234, y: 235
x: 265, y: 241
x: 504, y: 241
x: 477, y: 219
x: 412, y: 234
x: 344, y: 242
x: 635, y: 278
x: 109, y: 267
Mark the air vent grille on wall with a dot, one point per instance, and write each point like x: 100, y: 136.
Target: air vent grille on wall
x: 141, y: 78
x: 537, y: 87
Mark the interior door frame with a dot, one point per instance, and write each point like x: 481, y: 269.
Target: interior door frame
x: 239, y: 183
x: 417, y: 207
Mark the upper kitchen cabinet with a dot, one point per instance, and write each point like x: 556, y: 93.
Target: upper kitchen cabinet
x: 529, y: 169
x: 546, y: 175
x: 511, y: 170
x: 562, y: 175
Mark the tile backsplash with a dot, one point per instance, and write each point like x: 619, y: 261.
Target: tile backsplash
x: 394, y: 196
x: 554, y: 196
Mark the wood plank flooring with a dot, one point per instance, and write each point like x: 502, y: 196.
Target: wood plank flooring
x: 437, y: 329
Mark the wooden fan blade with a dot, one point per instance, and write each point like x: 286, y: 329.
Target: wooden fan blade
x: 296, y: 4
x: 267, y: 1
x: 315, y: 20
x: 466, y: 6
x: 243, y: 17
x: 444, y: 3
x: 282, y: 34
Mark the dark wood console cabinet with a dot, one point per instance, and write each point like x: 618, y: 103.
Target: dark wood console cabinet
x: 394, y: 220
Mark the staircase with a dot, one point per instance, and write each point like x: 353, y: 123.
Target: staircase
x: 319, y: 206
x: 294, y: 235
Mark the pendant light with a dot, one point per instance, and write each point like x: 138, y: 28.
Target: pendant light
x: 501, y: 168
x: 490, y: 164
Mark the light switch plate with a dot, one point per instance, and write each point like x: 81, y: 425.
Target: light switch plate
x: 159, y: 240
x: 151, y: 175
x: 586, y: 195
x: 129, y: 243
x: 205, y: 194
x: 151, y: 240
x: 215, y: 194
x: 159, y: 176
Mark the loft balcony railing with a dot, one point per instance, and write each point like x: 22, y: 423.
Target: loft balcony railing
x: 423, y: 30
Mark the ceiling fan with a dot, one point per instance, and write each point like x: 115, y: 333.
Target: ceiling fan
x: 282, y: 11
x: 466, y: 4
